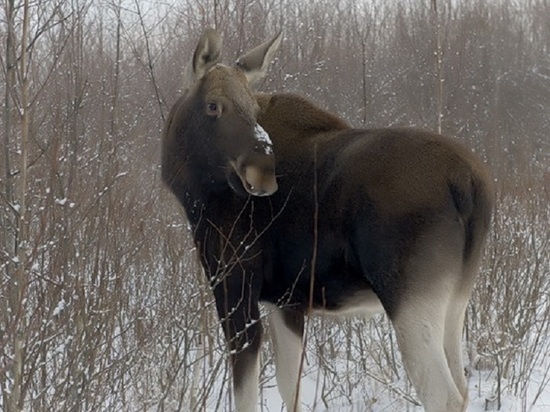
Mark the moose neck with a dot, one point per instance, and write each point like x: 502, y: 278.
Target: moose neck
x: 192, y: 169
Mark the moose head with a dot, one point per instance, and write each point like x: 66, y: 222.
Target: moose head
x: 215, y: 125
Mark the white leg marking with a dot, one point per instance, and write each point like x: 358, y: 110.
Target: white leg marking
x: 288, y: 353
x: 420, y: 326
x: 246, y: 394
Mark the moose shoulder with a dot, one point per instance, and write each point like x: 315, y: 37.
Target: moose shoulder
x: 292, y: 207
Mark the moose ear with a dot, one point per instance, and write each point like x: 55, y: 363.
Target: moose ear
x: 256, y: 62
x: 206, y: 55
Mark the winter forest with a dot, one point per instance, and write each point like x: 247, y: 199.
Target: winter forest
x: 103, y: 306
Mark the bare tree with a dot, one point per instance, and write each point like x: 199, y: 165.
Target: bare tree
x: 438, y: 54
x: 101, y: 303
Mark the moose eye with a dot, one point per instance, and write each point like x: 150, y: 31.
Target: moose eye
x: 212, y: 109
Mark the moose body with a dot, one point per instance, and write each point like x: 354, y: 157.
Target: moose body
x: 292, y: 207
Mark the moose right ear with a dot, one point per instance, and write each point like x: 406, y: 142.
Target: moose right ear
x: 206, y: 55
x: 256, y: 62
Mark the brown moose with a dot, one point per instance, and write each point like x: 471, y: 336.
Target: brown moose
x: 292, y: 207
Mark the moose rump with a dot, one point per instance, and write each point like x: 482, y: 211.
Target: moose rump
x: 291, y: 207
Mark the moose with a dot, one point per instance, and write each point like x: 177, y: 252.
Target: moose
x: 292, y: 207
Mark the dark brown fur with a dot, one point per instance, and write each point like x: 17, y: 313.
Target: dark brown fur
x: 400, y: 212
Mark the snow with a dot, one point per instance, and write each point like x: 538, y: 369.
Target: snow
x: 262, y: 136
x: 377, y: 397
x: 339, y: 377
x: 59, y: 308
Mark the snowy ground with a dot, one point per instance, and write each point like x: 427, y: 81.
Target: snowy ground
x: 378, y: 398
x: 346, y: 377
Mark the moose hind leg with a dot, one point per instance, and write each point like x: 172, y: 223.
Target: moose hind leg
x: 420, y: 330
x: 454, y: 324
x: 286, y: 326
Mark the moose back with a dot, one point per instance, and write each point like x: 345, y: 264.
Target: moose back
x: 292, y: 207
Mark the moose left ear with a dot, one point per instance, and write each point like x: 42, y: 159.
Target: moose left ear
x: 256, y: 62
x: 206, y: 55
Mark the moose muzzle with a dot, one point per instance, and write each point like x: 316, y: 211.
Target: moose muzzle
x: 257, y: 173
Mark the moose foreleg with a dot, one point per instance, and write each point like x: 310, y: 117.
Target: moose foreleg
x: 237, y: 305
x: 245, y: 358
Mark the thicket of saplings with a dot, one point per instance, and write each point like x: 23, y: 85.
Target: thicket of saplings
x: 102, y: 304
